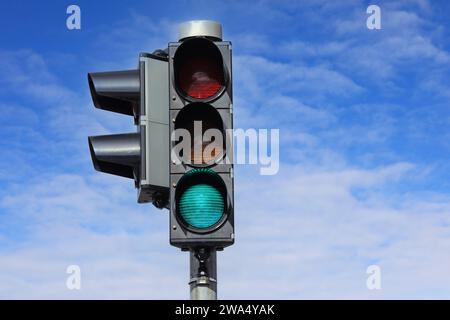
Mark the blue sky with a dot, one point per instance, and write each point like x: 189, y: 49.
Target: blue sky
x: 364, y: 148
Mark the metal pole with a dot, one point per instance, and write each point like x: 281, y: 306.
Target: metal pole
x: 203, y: 274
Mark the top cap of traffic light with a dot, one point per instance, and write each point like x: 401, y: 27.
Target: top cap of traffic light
x: 200, y: 28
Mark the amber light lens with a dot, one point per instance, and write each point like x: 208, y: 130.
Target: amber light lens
x: 207, y: 117
x: 199, y: 69
x: 205, y: 158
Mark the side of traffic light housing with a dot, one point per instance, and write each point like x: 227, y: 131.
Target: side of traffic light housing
x: 201, y: 187
x: 142, y: 155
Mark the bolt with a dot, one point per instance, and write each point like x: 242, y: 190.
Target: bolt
x: 174, y: 184
x: 174, y: 227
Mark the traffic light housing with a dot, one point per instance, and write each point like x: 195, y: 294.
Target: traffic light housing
x: 142, y: 155
x: 201, y: 179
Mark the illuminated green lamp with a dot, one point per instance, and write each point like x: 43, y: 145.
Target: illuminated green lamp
x: 201, y: 205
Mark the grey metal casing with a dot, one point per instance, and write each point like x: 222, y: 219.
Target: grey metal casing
x: 153, y: 127
x: 223, y: 235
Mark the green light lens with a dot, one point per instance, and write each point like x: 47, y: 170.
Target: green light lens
x: 201, y: 206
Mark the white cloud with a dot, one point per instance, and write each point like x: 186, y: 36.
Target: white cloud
x: 122, y: 248
x: 26, y: 73
x: 311, y: 238
x: 257, y: 74
x: 292, y: 230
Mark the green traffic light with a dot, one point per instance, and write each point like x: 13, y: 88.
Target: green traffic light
x: 201, y: 206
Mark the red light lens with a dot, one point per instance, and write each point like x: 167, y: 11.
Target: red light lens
x: 200, y: 77
x: 199, y: 69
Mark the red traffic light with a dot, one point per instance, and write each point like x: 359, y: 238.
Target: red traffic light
x: 199, y: 71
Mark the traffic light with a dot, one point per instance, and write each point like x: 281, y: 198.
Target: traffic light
x: 201, y: 120
x: 143, y: 156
